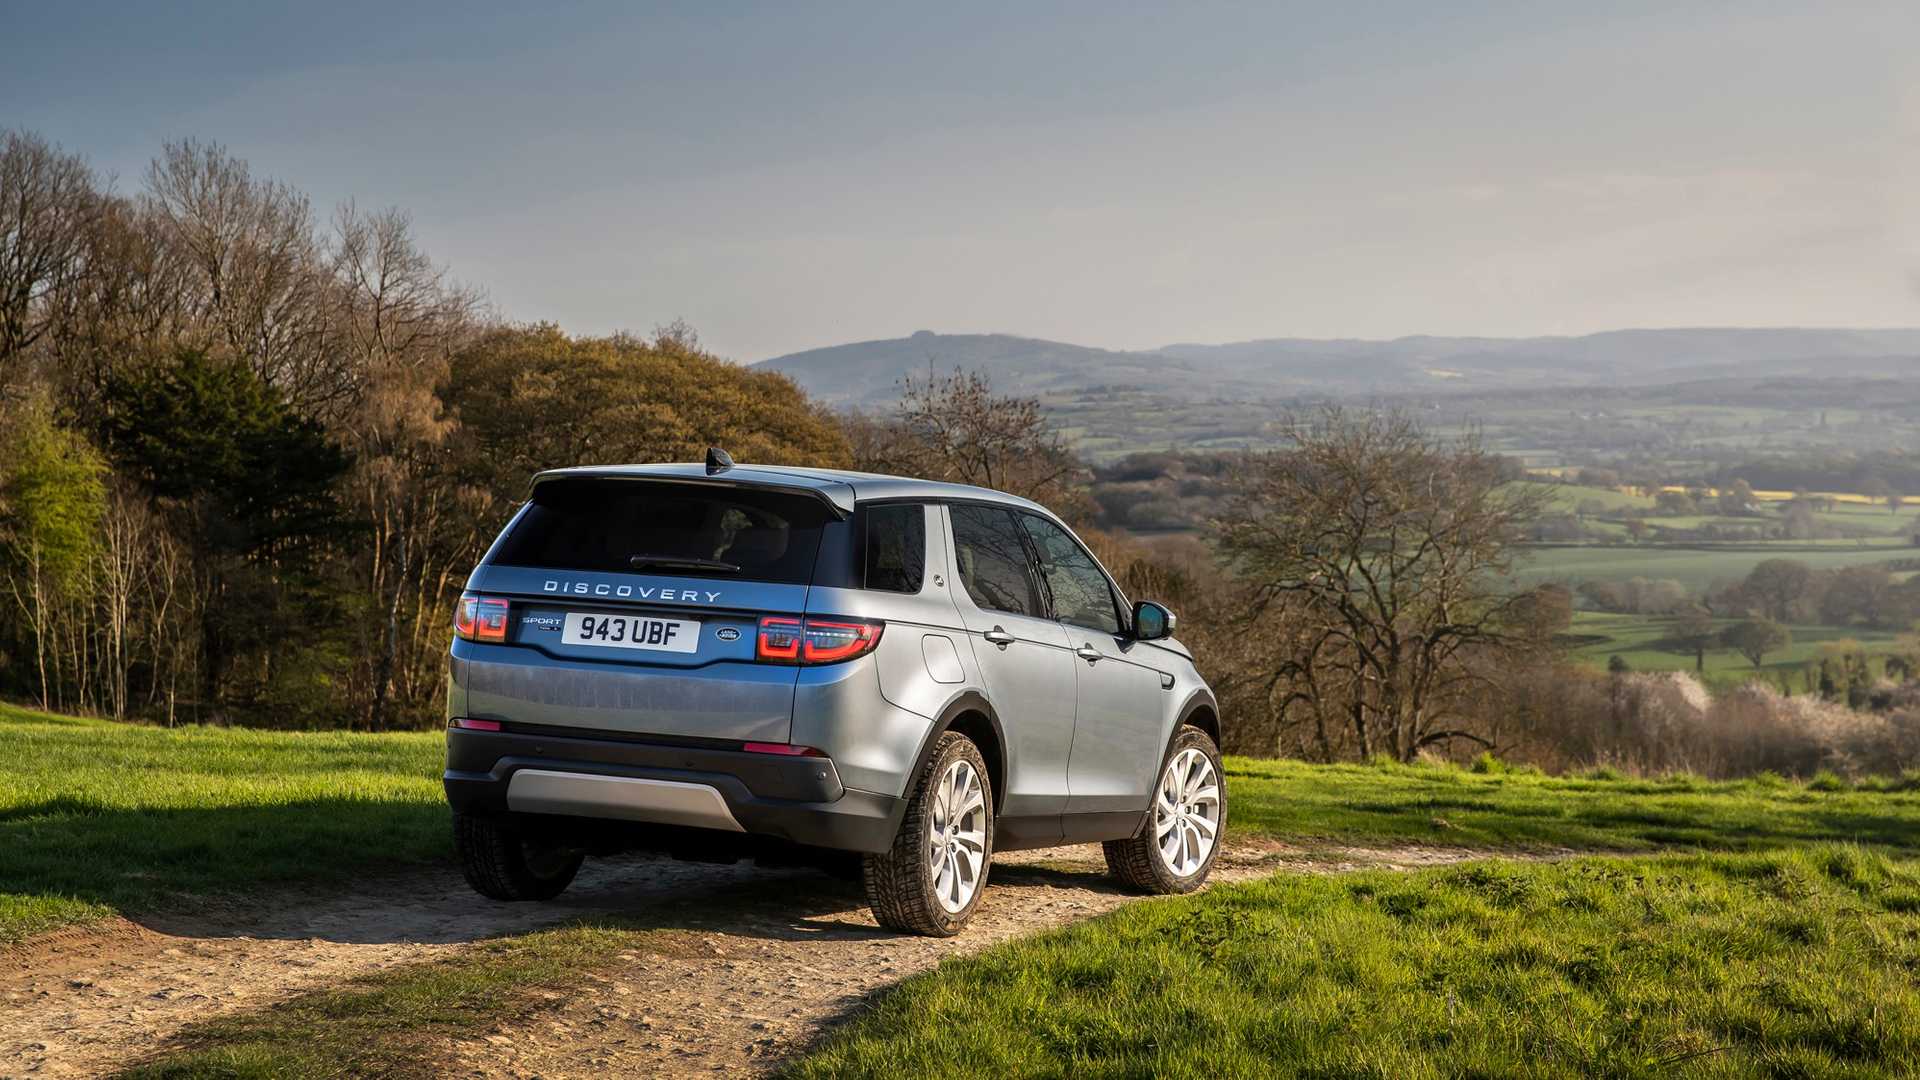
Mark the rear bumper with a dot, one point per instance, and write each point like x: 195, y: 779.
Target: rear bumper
x: 797, y: 799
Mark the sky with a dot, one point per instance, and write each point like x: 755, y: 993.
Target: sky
x: 788, y: 176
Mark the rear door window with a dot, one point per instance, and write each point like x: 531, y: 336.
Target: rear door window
x: 895, y: 544
x: 671, y: 529
x: 994, y: 565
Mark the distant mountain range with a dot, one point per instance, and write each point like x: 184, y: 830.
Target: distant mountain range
x: 869, y: 372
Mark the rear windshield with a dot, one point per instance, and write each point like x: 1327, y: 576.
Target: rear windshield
x: 675, y: 530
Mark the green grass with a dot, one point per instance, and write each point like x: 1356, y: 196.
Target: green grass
x: 1876, y: 524
x: 1342, y: 977
x: 1792, y: 963
x: 98, y: 817
x: 1566, y: 498
x: 1389, y: 804
x: 1640, y: 640
x: 1697, y: 568
x: 387, y: 1024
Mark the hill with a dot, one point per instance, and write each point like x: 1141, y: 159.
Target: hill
x: 869, y: 371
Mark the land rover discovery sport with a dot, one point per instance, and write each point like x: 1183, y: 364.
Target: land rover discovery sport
x: 727, y: 660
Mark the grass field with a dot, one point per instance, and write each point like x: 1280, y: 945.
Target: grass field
x: 1723, y: 926
x: 97, y: 817
x: 1795, y: 956
x: 1795, y: 963
x: 1507, y: 810
x: 1852, y: 513
x: 1640, y: 640
x: 1701, y: 567
x: 1566, y: 498
x: 1697, y: 568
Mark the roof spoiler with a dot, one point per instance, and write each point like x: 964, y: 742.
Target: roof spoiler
x: 837, y: 497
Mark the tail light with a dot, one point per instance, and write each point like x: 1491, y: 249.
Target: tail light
x: 815, y: 641
x: 480, y: 618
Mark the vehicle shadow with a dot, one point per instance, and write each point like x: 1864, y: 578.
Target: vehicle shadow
x: 361, y: 872
x: 634, y: 892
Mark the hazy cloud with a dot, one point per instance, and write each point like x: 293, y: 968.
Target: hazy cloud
x: 785, y: 177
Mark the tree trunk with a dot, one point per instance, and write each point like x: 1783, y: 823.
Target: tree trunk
x: 1360, y: 729
x: 40, y: 627
x: 1320, y: 733
x: 389, y: 653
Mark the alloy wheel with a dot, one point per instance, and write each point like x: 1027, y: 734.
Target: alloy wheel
x: 1186, y: 812
x: 957, y: 836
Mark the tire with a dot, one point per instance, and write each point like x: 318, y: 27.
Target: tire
x: 502, y: 862
x: 918, y: 886
x: 1144, y: 861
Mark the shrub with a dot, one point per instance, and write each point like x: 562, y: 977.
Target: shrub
x: 1649, y: 724
x: 1827, y: 780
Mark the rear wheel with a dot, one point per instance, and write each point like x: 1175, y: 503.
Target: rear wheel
x: 503, y: 861
x: 1175, y: 848
x: 930, y: 881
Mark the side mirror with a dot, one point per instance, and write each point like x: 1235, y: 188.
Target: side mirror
x: 1152, y: 621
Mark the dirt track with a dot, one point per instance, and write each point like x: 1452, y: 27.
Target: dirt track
x: 761, y: 959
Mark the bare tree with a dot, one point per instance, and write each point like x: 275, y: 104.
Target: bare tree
x: 401, y: 318
x: 1386, y: 550
x: 955, y: 428
x: 48, y: 206
x: 130, y: 540
x: 258, y: 289
x: 173, y: 613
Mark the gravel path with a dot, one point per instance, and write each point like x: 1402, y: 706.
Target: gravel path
x: 755, y: 961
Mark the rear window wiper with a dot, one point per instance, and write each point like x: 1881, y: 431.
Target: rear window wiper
x: 681, y: 562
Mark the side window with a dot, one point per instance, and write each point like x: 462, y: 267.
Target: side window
x: 1081, y: 594
x: 896, y: 547
x: 993, y: 560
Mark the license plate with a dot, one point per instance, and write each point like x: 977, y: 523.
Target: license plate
x: 632, y: 632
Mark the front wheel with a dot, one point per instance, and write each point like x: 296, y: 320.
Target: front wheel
x: 502, y: 862
x: 1174, y: 850
x: 930, y: 881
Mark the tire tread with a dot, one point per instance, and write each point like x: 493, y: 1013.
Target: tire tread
x: 1135, y: 862
x: 899, y: 889
x: 493, y: 862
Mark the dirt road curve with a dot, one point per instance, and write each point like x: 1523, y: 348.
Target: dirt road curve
x: 759, y: 960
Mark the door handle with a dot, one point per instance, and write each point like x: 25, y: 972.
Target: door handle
x: 1090, y: 654
x: 998, y: 637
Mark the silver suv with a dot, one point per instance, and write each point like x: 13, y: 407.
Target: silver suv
x: 789, y: 664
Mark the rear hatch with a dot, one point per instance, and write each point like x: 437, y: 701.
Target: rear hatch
x: 635, y: 606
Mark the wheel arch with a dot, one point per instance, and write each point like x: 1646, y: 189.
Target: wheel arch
x: 1200, y: 710
x: 972, y: 715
